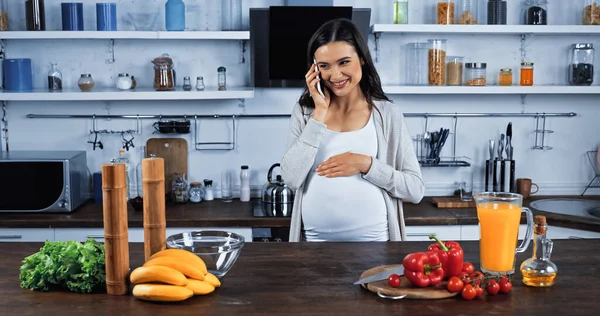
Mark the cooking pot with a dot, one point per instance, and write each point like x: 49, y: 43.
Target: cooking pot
x: 277, y: 197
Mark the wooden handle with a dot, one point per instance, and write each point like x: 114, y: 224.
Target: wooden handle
x: 116, y: 241
x: 155, y: 223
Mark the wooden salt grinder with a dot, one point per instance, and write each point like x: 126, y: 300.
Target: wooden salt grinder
x: 155, y: 223
x: 116, y: 241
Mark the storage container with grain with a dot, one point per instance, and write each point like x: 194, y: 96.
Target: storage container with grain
x: 475, y: 74
x: 454, y: 70
x: 444, y: 12
x: 436, y: 57
x: 591, y: 13
x: 468, y: 12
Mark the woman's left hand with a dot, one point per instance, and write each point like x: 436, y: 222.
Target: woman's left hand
x: 344, y: 165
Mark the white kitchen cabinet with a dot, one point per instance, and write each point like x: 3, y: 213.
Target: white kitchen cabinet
x: 471, y: 232
x: 82, y: 234
x: 555, y: 232
x: 26, y: 234
x: 421, y: 233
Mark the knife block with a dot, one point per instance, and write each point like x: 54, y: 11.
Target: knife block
x: 500, y: 175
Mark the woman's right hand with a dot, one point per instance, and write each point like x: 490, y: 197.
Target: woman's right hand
x: 321, y: 104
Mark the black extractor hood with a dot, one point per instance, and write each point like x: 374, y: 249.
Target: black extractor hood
x: 279, y: 38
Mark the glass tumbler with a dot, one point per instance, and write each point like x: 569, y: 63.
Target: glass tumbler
x: 226, y: 186
x: 416, y: 63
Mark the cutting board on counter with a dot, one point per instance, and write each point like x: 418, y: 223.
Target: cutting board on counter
x: 175, y: 153
x: 452, y: 202
x: 417, y: 293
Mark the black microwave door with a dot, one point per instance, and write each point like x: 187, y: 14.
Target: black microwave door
x: 27, y: 186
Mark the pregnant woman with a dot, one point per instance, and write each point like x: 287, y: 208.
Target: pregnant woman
x: 350, y: 156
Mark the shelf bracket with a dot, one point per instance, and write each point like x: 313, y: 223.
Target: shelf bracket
x: 523, y: 98
x: 2, y: 56
x: 4, y: 128
x: 243, y: 51
x: 111, y: 51
x: 377, y: 35
x: 242, y: 103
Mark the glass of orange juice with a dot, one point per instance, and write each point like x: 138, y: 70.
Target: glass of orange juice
x: 499, y: 216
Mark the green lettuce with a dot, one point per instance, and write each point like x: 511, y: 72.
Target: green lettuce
x: 65, y: 264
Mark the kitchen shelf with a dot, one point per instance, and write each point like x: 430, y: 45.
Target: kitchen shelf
x: 442, y: 163
x: 486, y: 29
x: 111, y: 94
x: 541, y: 89
x: 189, y: 35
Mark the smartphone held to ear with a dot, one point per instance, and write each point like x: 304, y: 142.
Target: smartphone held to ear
x: 319, y: 87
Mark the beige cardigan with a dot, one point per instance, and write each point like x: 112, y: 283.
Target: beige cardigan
x: 395, y: 169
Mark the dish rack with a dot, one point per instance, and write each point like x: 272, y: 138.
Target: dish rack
x: 593, y: 158
x: 423, y: 151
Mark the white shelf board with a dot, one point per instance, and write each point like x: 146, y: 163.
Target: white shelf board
x: 191, y: 35
x: 111, y: 94
x: 486, y: 29
x: 441, y: 90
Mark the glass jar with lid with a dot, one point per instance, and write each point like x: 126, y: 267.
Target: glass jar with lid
x: 54, y: 78
x: 3, y: 15
x: 444, y: 11
x: 221, y: 71
x: 200, y: 83
x: 454, y: 70
x: 86, y: 83
x: 416, y: 63
x: 179, y: 189
x: 475, y: 74
x: 124, y: 82
x: 536, y: 12
x: 164, y: 73
x: 436, y: 60
x: 196, y: 192
x: 468, y: 11
x: 527, y: 74
x: 581, y: 71
x: 591, y: 12
x: 506, y: 77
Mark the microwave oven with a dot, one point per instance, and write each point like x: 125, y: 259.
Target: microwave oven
x: 43, y: 181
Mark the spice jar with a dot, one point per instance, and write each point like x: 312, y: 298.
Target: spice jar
x: 124, y: 82
x: 196, y: 193
x: 222, y: 80
x: 454, y: 70
x: 179, y: 189
x: 475, y: 74
x: 208, y: 190
x: 468, y: 11
x: 187, y: 86
x: 199, y: 83
x: 526, y: 74
x: 444, y: 12
x: 581, y: 72
x: 536, y: 12
x: 164, y: 74
x: 591, y: 13
x: 86, y: 82
x: 496, y: 12
x: 505, y: 78
x: 436, y: 61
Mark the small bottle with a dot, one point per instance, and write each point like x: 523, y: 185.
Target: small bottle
x: 196, y: 193
x: 222, y: 80
x: 200, y: 83
x: 526, y: 74
x: 133, y: 82
x: 245, y: 184
x: 86, y: 83
x: 539, y: 271
x: 401, y: 12
x: 187, y: 86
x: 505, y: 78
x: 208, y: 190
x: 54, y: 78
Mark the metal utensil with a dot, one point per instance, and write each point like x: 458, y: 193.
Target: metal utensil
x: 441, y: 144
x: 489, y: 164
x: 501, y: 146
x: 509, y: 141
x: 382, y: 275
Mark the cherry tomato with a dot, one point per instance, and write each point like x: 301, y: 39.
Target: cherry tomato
x: 505, y: 285
x: 468, y: 268
x: 493, y: 287
x: 394, y: 280
x: 478, y: 290
x: 477, y: 275
x: 463, y: 276
x: 455, y: 284
x: 468, y: 292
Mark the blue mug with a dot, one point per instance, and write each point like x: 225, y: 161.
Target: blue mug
x: 72, y: 16
x: 106, y: 16
x: 17, y: 74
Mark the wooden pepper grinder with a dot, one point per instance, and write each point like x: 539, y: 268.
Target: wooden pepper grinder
x: 116, y: 241
x: 155, y: 223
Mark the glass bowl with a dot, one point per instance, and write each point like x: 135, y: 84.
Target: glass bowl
x: 218, y: 249
x: 145, y: 21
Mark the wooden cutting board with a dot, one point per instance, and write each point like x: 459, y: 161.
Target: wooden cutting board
x: 452, y: 202
x: 417, y: 293
x: 175, y: 153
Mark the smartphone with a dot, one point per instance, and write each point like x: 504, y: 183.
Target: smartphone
x: 319, y: 87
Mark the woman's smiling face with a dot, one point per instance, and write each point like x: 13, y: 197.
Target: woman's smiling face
x: 340, y: 67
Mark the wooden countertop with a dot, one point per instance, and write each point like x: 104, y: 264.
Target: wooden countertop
x: 316, y: 279
x: 238, y: 214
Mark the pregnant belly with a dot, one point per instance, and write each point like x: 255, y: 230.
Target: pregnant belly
x: 342, y: 204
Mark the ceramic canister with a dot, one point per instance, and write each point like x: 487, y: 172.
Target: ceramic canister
x: 72, y: 16
x: 17, y: 74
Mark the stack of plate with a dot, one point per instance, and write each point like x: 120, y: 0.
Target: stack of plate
x: 496, y: 10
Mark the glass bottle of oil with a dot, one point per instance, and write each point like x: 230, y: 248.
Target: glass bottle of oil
x: 539, y: 271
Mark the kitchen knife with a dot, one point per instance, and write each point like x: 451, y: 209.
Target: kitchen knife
x: 489, y: 165
x: 443, y: 139
x: 382, y: 275
x: 509, y: 141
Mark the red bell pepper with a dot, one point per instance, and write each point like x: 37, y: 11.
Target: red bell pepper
x: 423, y: 269
x: 451, y: 256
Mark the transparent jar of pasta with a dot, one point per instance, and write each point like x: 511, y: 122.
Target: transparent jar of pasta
x: 3, y: 15
x: 444, y: 11
x: 468, y: 11
x: 591, y: 12
x: 436, y: 62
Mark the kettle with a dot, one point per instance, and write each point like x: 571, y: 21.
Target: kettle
x: 277, y: 197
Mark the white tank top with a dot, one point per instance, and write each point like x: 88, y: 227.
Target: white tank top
x: 344, y: 208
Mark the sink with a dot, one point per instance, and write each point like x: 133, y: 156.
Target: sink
x: 573, y: 207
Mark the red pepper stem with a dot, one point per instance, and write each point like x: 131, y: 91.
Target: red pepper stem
x: 429, y: 268
x: 442, y: 246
